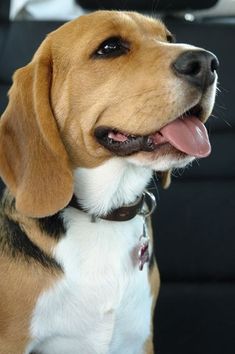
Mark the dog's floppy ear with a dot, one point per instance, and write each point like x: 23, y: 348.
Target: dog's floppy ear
x: 165, y: 179
x: 33, y: 161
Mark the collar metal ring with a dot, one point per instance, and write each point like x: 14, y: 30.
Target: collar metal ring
x: 152, y: 201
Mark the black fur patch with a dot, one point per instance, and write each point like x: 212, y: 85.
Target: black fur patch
x: 18, y: 244
x: 2, y: 188
x: 53, y: 226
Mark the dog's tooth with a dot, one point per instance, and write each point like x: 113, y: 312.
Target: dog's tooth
x: 150, y: 141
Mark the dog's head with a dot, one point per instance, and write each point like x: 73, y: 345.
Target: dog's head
x: 107, y: 84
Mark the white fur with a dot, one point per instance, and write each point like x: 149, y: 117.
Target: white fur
x: 163, y: 163
x: 102, y: 304
x: 110, y: 185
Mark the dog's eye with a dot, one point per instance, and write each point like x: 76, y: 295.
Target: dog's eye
x: 112, y: 47
x: 170, y: 38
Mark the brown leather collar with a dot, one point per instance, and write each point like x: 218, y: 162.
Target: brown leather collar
x: 124, y: 213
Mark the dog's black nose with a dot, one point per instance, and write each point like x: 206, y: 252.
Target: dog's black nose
x: 198, y: 67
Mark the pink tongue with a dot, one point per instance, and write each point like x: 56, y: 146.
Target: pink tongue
x: 188, y: 135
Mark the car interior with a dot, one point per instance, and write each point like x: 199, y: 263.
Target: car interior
x: 194, y: 222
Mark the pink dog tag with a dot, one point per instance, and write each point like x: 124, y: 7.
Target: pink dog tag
x: 143, y: 253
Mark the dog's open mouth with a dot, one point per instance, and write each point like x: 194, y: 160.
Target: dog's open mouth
x: 187, y: 134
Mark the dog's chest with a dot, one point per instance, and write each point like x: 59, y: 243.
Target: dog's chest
x: 102, y: 304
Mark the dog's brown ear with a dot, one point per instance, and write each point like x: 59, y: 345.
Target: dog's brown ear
x: 33, y: 161
x: 165, y: 179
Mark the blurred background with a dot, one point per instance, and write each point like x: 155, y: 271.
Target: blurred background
x: 194, y: 223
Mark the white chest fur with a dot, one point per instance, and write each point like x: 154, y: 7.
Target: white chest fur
x: 102, y: 304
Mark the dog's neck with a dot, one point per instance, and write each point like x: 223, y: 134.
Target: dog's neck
x: 111, y: 185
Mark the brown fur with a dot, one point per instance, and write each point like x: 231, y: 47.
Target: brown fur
x: 21, y: 285
x: 55, y: 104
x: 22, y: 279
x: 31, y: 149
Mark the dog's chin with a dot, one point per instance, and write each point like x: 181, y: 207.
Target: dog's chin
x: 163, y: 159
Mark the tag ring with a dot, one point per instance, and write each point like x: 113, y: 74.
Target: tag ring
x: 153, y: 204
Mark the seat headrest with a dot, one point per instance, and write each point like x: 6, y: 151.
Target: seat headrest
x: 148, y: 5
x: 4, y: 10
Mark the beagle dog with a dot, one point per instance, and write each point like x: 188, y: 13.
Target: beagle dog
x: 107, y: 99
